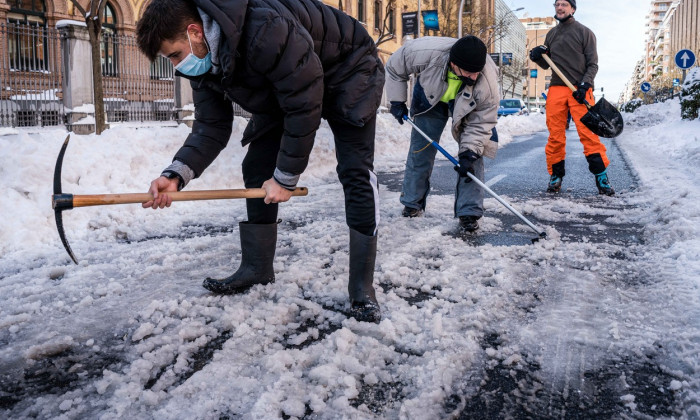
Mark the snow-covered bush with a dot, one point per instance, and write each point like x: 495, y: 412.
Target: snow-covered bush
x: 690, y: 95
x: 632, y: 105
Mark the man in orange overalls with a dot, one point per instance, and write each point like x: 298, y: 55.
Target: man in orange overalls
x: 572, y: 47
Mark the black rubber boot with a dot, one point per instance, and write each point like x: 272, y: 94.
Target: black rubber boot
x: 258, y: 243
x: 363, y: 301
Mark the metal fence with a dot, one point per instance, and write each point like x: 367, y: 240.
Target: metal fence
x: 30, y: 76
x: 31, y: 79
x: 134, y: 88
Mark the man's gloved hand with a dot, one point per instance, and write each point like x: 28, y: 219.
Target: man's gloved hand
x: 536, y: 53
x: 581, y: 89
x: 398, y: 110
x: 466, y: 164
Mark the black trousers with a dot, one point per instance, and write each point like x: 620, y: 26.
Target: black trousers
x: 354, y: 151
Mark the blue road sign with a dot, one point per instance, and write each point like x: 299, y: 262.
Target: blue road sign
x: 507, y: 59
x: 646, y: 87
x: 685, y: 59
x: 676, y: 82
x: 533, y: 73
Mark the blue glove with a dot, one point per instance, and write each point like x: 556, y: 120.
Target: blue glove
x: 398, y: 110
x: 580, y: 94
x: 466, y: 164
x: 536, y: 53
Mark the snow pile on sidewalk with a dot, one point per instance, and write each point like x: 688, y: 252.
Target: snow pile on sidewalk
x: 665, y: 153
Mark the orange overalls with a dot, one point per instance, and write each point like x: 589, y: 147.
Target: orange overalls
x: 559, y: 103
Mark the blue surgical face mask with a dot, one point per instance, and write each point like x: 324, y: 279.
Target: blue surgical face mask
x: 193, y: 65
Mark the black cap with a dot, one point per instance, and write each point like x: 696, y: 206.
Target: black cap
x: 469, y: 54
x: 572, y: 3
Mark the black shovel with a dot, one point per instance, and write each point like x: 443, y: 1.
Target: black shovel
x: 603, y: 119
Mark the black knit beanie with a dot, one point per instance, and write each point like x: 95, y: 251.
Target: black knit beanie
x: 469, y: 54
x: 572, y: 3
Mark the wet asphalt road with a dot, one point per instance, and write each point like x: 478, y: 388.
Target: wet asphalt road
x: 519, y: 172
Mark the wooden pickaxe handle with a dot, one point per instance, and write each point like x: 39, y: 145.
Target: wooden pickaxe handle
x: 131, y: 198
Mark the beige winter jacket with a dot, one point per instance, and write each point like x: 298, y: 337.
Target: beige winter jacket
x: 475, y: 109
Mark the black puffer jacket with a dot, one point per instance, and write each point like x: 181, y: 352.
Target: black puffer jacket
x: 285, y: 61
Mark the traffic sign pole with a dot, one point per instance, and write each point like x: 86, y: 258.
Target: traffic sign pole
x: 684, y: 60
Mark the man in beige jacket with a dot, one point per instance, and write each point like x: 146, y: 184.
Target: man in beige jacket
x: 454, y: 78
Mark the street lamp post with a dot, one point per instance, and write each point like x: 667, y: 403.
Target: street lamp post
x: 419, y: 18
x: 459, y: 19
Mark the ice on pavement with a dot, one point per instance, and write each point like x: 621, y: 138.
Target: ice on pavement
x: 145, y: 340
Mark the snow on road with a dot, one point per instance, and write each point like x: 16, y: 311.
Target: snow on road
x: 605, y: 328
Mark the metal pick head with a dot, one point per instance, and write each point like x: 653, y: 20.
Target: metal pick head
x: 59, y: 226
x: 60, y: 201
x: 57, y: 169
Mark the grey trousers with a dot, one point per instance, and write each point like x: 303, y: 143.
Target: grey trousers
x: 469, y: 197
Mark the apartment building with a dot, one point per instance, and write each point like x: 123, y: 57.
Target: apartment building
x: 657, y: 51
x: 672, y: 25
x: 684, y: 27
x: 508, y: 47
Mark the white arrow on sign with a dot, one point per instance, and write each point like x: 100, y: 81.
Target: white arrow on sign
x: 685, y: 57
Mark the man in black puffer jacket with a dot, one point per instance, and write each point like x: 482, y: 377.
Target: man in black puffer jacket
x: 289, y: 63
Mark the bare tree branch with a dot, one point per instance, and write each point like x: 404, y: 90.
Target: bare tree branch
x: 77, y: 5
x: 100, y: 8
x: 385, y: 34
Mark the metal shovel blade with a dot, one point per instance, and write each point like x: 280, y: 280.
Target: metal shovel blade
x: 603, y: 119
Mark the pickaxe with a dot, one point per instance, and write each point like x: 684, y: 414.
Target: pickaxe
x: 61, y: 202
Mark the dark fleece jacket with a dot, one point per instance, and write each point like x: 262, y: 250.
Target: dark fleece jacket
x: 573, y: 49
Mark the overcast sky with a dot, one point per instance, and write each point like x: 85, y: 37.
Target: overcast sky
x: 619, y: 28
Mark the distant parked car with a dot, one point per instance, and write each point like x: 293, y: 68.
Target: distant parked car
x: 536, y: 110
x: 512, y: 107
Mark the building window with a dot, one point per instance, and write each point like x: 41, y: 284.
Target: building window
x: 108, y: 49
x: 361, y: 10
x: 392, y: 21
x: 378, y: 15
x: 27, y: 41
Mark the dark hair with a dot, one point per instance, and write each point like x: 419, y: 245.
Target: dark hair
x: 164, y: 20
